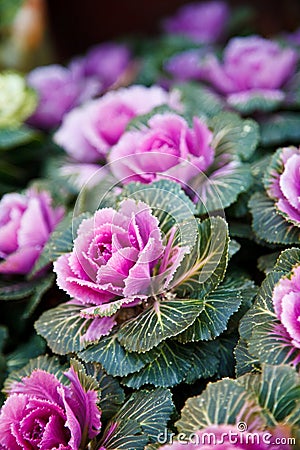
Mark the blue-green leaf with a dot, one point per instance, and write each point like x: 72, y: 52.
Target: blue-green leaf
x: 63, y: 328
x: 254, y: 103
x: 114, y: 358
x: 221, y: 187
x: 198, y: 100
x: 139, y: 421
x: 204, y: 267
x: 50, y: 364
x: 217, y: 309
x: 13, y: 137
x: 233, y: 135
x: 168, y: 369
x: 167, y: 200
x: 281, y: 128
x: 221, y: 403
x: 164, y: 319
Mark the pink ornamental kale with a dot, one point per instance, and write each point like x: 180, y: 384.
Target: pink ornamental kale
x: 118, y: 261
x: 201, y: 22
x: 286, y: 301
x: 187, y: 65
x: 251, y: 66
x: 88, y: 132
x: 58, y: 92
x: 62, y: 88
x: 284, y: 184
x: 41, y: 413
x: 26, y: 222
x: 167, y: 147
x: 100, y: 68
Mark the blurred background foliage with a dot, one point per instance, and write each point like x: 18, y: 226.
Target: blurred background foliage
x: 36, y: 32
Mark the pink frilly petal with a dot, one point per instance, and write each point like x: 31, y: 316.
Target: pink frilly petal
x: 287, y: 210
x: 70, y: 136
x: 83, y: 290
x: 20, y: 262
x: 290, y: 315
x: 100, y: 326
x: 40, y: 384
x: 290, y: 181
x: 241, y: 97
x: 85, y: 404
x: 72, y: 422
x: 12, y: 411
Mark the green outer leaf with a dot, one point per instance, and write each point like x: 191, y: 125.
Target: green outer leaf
x: 34, y: 300
x: 205, y: 361
x: 294, y: 420
x: 266, y: 263
x: 13, y: 137
x: 264, y: 299
x: 233, y: 135
x: 233, y: 248
x: 141, y: 121
x: 34, y: 347
x: 218, y: 307
x: 111, y: 394
x: 63, y: 328
x: 248, y: 296
x: 198, y: 100
x: 16, y: 290
x: 227, y: 343
x: 3, y: 365
x: 221, y: 403
x: 167, y: 200
x: 267, y: 342
x: 287, y: 260
x: 114, y: 358
x: 3, y: 336
x: 60, y: 241
x: 274, y: 167
x: 269, y: 224
x: 126, y: 435
x: 279, y: 129
x: 139, y: 421
x: 241, y: 230
x: 154, y: 446
x: 256, y: 103
x: 50, y: 364
x: 105, y: 310
x: 164, y: 319
x: 204, y: 268
x: 167, y: 370
x: 88, y: 382
x: 151, y: 409
x: 277, y: 390
x: 245, y: 362
x: 220, y: 189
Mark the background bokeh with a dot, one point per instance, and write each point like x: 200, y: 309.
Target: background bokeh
x: 75, y: 25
